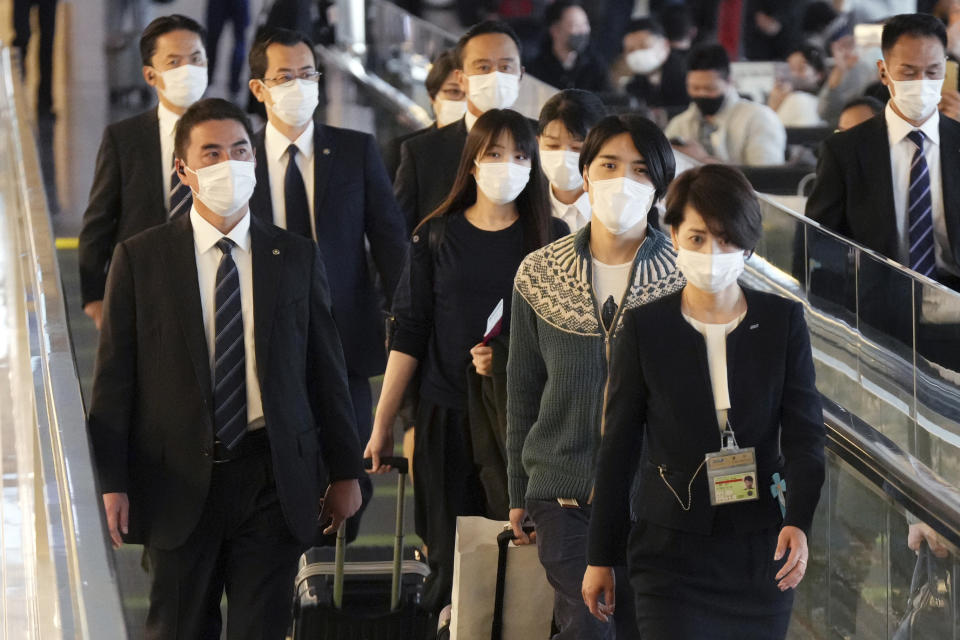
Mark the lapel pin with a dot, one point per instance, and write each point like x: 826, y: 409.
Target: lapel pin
x: 326, y: 151
x: 276, y: 252
x: 754, y: 326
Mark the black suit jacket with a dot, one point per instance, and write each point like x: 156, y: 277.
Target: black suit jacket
x: 353, y: 204
x: 661, y: 403
x: 428, y: 167
x: 150, y: 419
x: 853, y: 194
x: 126, y: 197
x: 391, y: 153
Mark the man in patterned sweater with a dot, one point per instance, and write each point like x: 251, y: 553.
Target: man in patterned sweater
x: 568, y: 300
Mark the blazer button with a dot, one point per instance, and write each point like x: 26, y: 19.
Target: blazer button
x: 205, y: 451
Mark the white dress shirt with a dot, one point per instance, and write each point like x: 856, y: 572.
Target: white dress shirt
x: 901, y: 158
x: 205, y: 238
x: 469, y: 120
x: 747, y: 133
x: 168, y: 122
x: 275, y: 145
x: 576, y: 215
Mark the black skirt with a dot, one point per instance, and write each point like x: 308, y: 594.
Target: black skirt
x: 707, y: 587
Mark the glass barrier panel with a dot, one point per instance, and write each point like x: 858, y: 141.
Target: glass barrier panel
x: 831, y: 275
x: 782, y: 242
x: 938, y: 379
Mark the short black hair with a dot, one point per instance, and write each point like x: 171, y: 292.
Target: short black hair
x: 918, y: 25
x: 483, y: 28
x: 577, y: 109
x: 723, y: 197
x: 554, y: 12
x: 709, y: 57
x: 439, y: 70
x: 647, y: 138
x: 646, y: 24
x: 162, y: 26
x: 817, y: 17
x: 813, y: 55
x: 876, y: 106
x: 275, y: 35
x: 677, y: 21
x: 201, y: 111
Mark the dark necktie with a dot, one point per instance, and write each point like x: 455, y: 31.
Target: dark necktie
x: 295, y: 197
x: 920, y: 212
x: 180, y: 197
x: 608, y: 312
x: 230, y: 371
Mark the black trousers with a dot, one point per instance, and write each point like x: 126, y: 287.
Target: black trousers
x: 47, y: 14
x: 218, y: 13
x: 241, y: 545
x: 445, y: 485
x: 562, y: 547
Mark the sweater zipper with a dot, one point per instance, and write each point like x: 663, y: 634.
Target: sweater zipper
x: 607, y: 336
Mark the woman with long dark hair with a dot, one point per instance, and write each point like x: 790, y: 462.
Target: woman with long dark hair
x: 464, y: 257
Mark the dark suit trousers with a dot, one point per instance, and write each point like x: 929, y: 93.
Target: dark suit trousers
x: 242, y: 545
x: 47, y: 15
x: 218, y: 13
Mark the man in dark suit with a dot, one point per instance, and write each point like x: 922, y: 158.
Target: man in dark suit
x: 221, y: 419
x: 335, y: 191
x: 893, y: 182
x: 134, y: 186
x: 489, y: 71
x: 566, y: 60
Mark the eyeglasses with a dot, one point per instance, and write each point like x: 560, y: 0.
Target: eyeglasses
x: 287, y: 79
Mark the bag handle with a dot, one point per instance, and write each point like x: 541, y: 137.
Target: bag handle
x: 504, y: 538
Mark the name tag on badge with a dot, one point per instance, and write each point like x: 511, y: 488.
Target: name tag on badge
x: 732, y: 476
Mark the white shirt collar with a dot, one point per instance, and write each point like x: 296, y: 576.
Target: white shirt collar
x: 276, y: 144
x: 582, y: 204
x: 168, y: 120
x: 470, y: 119
x: 206, y: 236
x: 898, y: 128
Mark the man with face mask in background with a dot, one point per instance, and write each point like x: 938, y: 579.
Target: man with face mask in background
x: 650, y: 69
x: 221, y: 420
x: 566, y: 60
x: 885, y: 183
x: 134, y: 186
x: 328, y: 185
x: 719, y: 125
x: 489, y: 71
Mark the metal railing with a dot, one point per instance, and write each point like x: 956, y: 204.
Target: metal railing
x: 57, y: 574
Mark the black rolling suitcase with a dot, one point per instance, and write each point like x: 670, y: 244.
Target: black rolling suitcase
x: 372, y: 599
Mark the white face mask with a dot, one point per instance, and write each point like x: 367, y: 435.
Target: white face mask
x: 644, y: 61
x: 449, y: 111
x: 620, y: 204
x: 296, y: 103
x: 562, y: 168
x: 184, y: 85
x: 501, y: 182
x: 495, y: 90
x: 710, y: 272
x: 226, y: 186
x: 917, y: 99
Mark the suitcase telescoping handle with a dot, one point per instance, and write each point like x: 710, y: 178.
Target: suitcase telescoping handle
x: 401, y: 466
x: 504, y: 538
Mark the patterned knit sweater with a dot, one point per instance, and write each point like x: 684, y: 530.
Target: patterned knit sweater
x: 558, y: 364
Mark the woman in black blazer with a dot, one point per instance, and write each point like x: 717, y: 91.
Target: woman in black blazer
x: 713, y: 357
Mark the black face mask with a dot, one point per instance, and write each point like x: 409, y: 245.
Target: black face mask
x: 709, y: 106
x: 578, y: 41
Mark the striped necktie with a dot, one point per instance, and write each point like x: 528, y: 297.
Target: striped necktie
x: 920, y: 211
x: 180, y: 198
x: 230, y: 371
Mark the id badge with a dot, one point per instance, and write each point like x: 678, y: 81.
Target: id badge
x: 732, y: 476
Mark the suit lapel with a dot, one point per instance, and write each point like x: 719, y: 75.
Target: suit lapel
x: 268, y: 255
x: 181, y: 265
x: 878, y: 175
x: 950, y: 180
x: 323, y: 154
x: 261, y: 203
x: 151, y: 150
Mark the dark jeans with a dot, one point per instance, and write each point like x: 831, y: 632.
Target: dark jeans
x: 562, y: 546
x: 47, y: 14
x: 218, y: 13
x: 242, y: 545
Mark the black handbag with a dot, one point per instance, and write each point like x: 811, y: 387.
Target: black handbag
x: 932, y: 605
